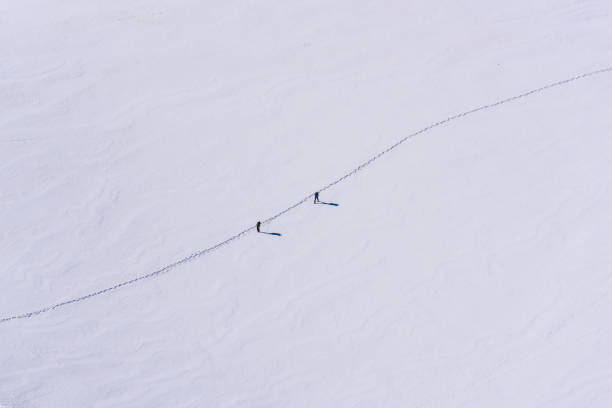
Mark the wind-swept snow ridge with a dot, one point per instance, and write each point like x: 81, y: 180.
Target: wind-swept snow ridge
x: 197, y: 254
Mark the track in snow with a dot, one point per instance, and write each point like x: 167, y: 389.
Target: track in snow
x: 205, y: 251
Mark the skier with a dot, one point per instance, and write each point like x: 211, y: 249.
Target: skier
x: 258, y: 225
x: 316, y: 200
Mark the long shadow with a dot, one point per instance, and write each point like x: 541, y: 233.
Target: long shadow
x: 276, y: 234
x: 334, y: 204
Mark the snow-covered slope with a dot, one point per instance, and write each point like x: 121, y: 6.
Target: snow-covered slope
x: 468, y: 267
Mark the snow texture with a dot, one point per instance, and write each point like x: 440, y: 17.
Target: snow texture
x: 468, y: 266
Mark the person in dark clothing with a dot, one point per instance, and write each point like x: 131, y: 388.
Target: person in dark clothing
x: 258, y: 226
x: 316, y: 200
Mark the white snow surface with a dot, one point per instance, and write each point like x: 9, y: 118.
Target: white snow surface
x: 469, y: 267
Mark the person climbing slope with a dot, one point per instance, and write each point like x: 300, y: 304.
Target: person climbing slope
x: 258, y: 225
x: 316, y: 200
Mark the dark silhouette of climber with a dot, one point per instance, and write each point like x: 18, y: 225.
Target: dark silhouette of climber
x: 258, y: 226
x: 317, y: 201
